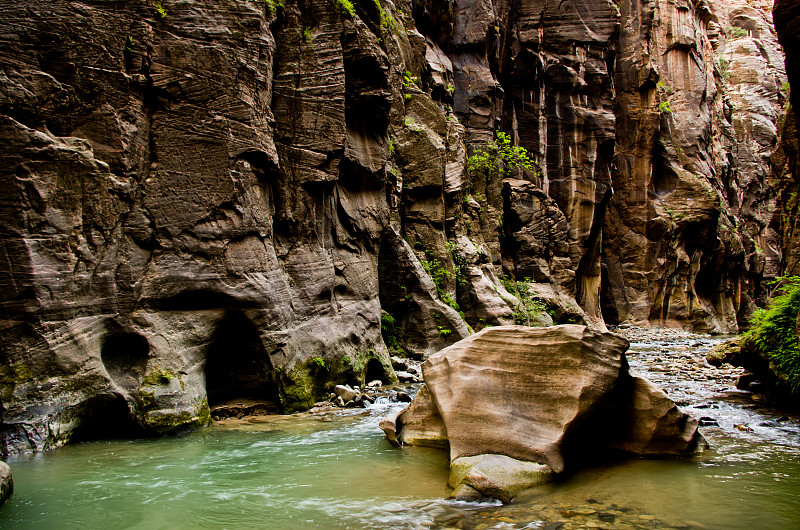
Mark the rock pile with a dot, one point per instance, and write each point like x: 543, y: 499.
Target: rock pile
x: 546, y: 399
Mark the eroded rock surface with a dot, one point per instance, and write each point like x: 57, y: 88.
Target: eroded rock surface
x: 517, y: 391
x: 558, y: 396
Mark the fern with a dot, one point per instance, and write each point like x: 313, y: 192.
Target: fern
x: 774, y: 332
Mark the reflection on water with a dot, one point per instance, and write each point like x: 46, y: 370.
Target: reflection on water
x: 337, y: 471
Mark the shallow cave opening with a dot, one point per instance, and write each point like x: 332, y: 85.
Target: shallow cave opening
x: 238, y: 366
x: 124, y: 356
x: 105, y: 417
x: 375, y: 371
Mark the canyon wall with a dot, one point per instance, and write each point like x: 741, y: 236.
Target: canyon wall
x: 786, y: 171
x: 213, y: 199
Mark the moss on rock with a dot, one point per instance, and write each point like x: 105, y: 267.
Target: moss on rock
x: 170, y: 422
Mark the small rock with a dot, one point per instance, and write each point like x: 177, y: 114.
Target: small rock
x: 407, y: 377
x: 403, y: 397
x: 375, y: 384
x: 345, y: 392
x: 745, y: 380
x: 398, y: 363
x: 742, y: 427
x: 339, y: 401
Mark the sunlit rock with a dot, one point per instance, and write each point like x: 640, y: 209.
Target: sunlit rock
x: 557, y: 396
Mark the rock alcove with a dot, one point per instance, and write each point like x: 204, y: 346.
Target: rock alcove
x: 238, y: 367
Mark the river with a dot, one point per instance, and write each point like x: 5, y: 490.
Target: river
x: 335, y: 470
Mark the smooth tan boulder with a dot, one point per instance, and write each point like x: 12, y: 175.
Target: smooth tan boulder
x: 517, y: 391
x: 517, y: 405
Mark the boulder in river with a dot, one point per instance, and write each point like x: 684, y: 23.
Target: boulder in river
x: 496, y: 476
x: 6, y: 482
x: 549, y: 396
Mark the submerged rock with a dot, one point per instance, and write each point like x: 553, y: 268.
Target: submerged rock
x: 550, y: 396
x: 497, y: 476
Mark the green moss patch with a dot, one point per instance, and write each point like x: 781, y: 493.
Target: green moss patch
x: 774, y: 333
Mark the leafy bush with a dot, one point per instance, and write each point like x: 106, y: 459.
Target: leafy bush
x: 347, y: 7
x: 500, y: 151
x: 774, y: 334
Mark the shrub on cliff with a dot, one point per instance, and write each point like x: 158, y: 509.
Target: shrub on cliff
x: 774, y: 333
x: 486, y: 158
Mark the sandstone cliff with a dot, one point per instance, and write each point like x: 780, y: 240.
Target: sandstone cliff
x: 203, y: 199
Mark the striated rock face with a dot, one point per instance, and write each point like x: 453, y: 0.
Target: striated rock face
x: 220, y: 199
x: 698, y: 95
x: 516, y: 391
x: 785, y: 158
x: 554, y: 396
x: 197, y: 206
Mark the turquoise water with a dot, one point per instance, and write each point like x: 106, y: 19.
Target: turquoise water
x: 336, y: 470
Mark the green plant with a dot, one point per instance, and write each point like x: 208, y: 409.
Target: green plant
x: 129, y: 44
x: 664, y: 108
x: 388, y: 22
x: 347, y: 7
x: 786, y: 88
x: 408, y: 80
x: 723, y: 68
x: 443, y: 331
x: 500, y: 152
x: 159, y: 9
x: 774, y: 334
x: 529, y: 310
x: 319, y: 362
x: 413, y: 126
x: 273, y: 5
x: 737, y: 32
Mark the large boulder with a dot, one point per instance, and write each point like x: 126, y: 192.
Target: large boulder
x: 517, y: 391
x: 542, y: 397
x: 6, y: 482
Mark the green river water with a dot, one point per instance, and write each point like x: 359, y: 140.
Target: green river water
x: 336, y: 470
